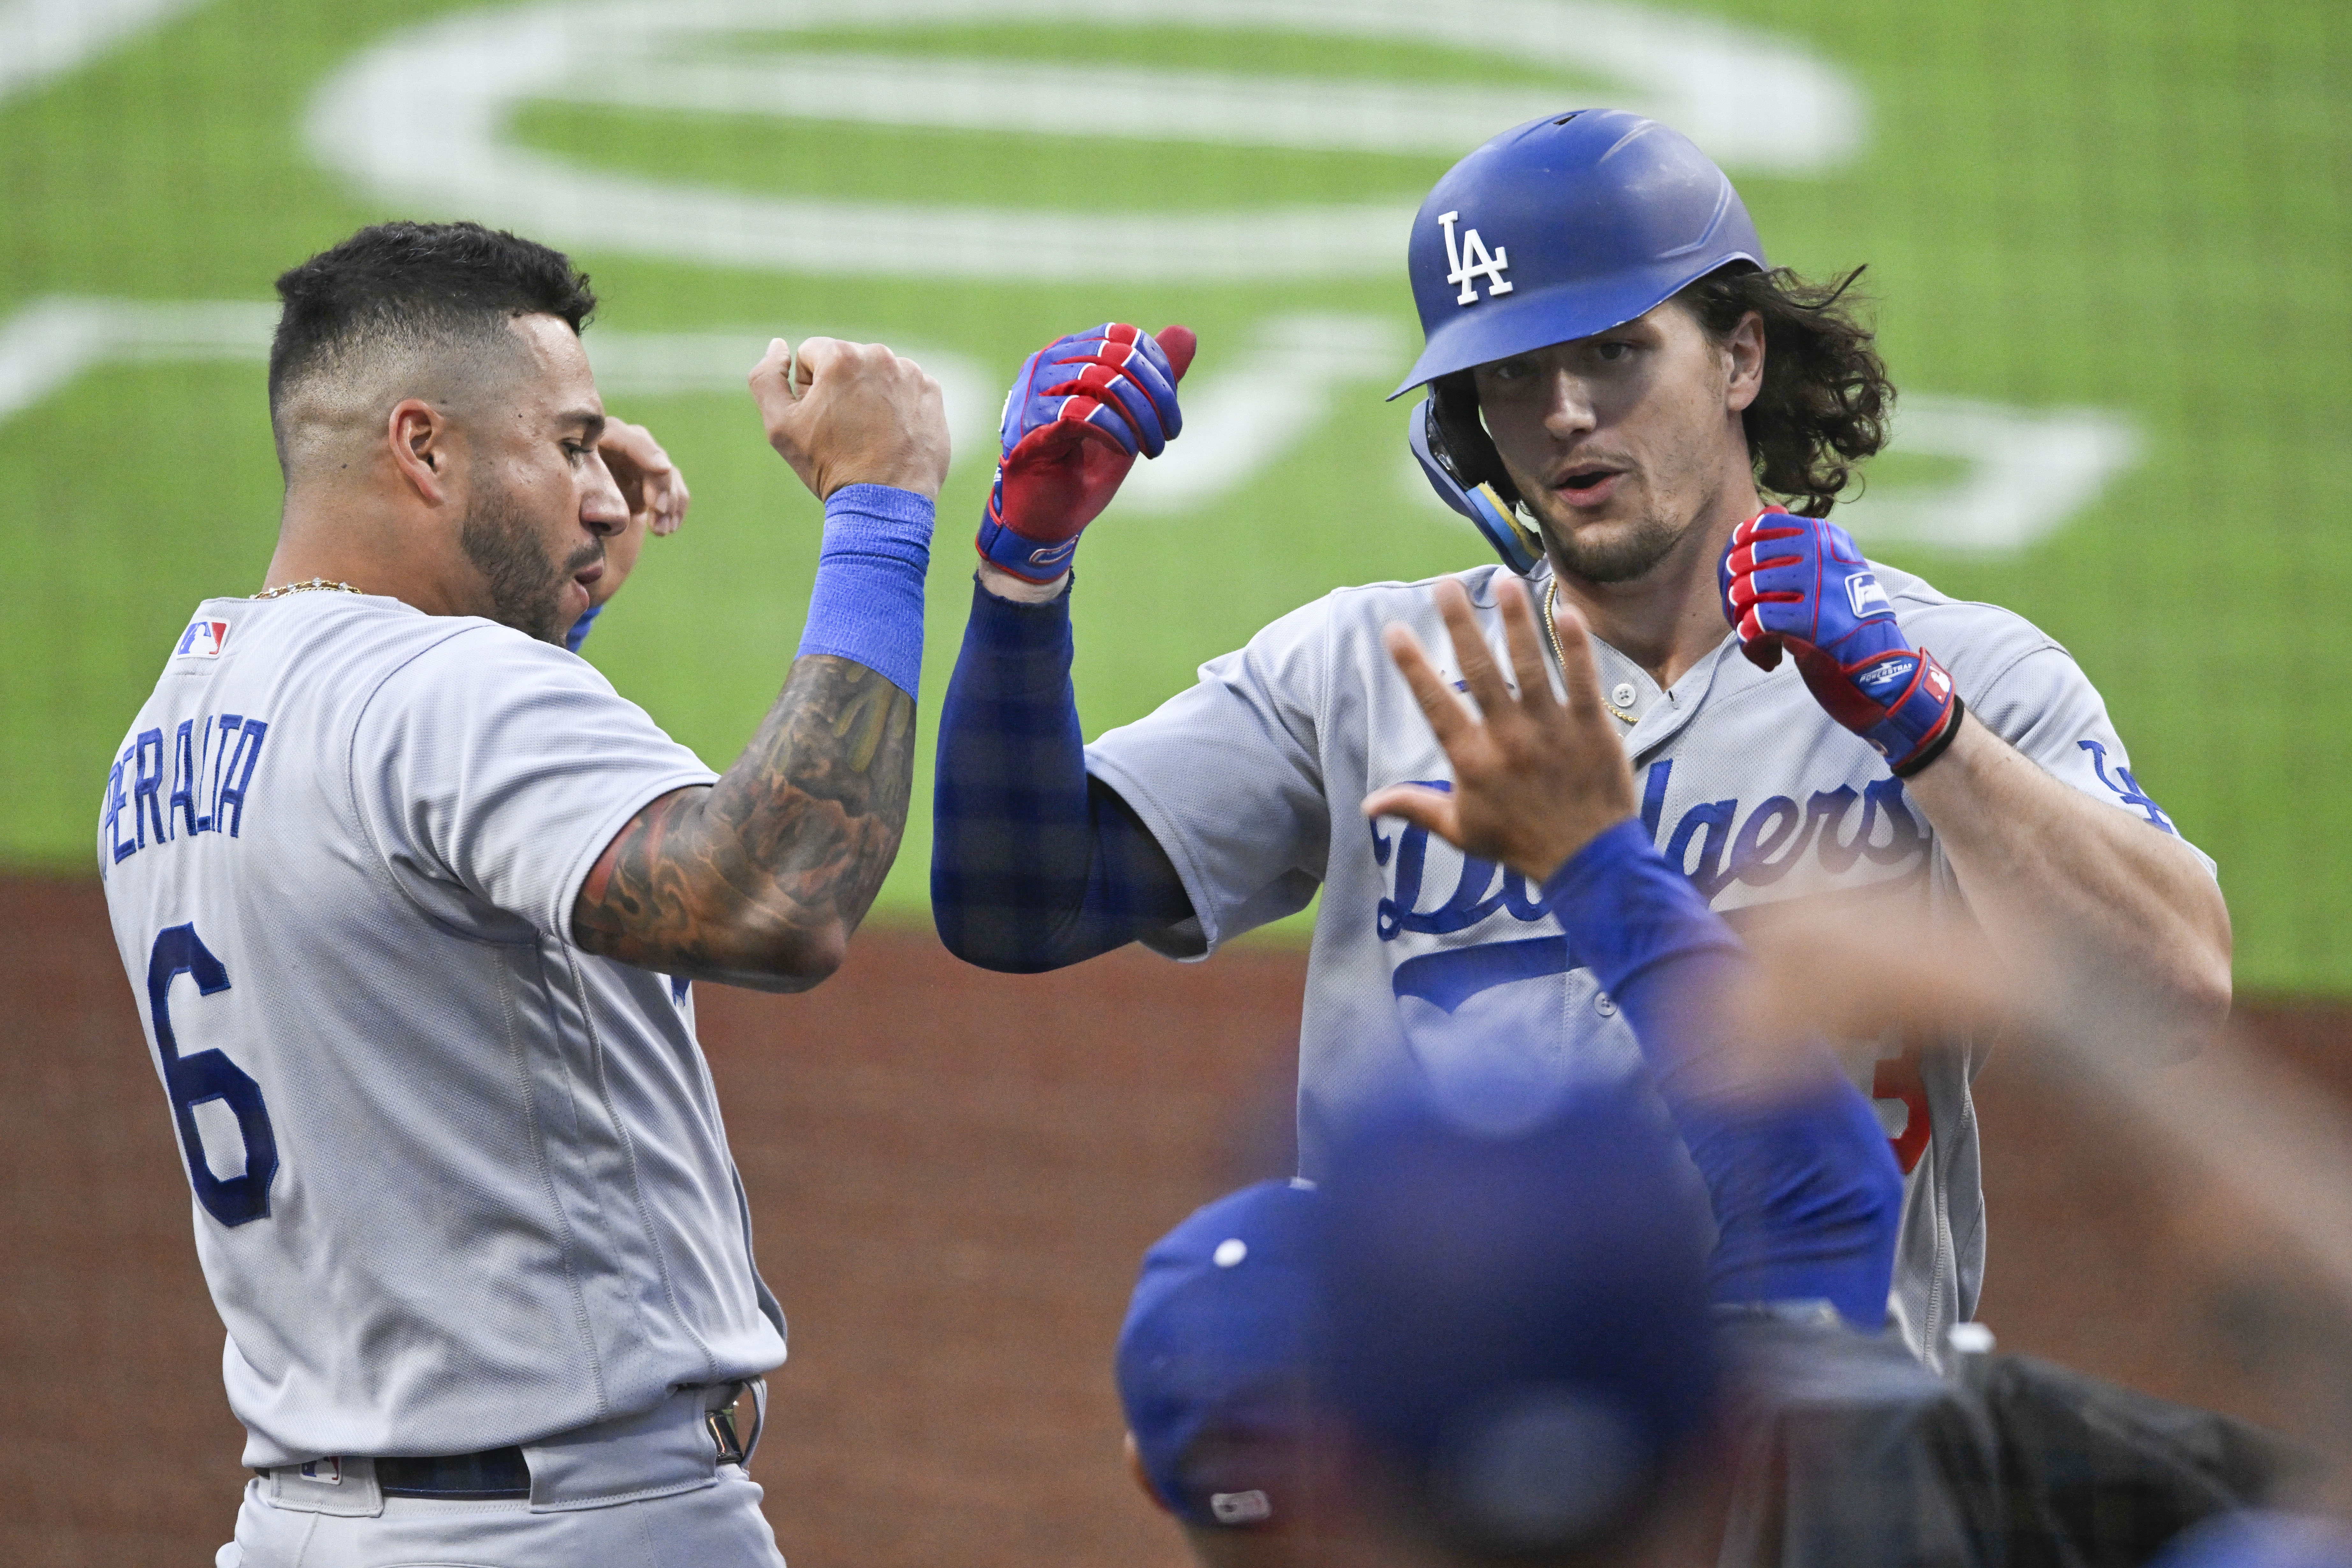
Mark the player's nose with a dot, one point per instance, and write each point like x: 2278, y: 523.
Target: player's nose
x: 1568, y: 411
x: 603, y: 511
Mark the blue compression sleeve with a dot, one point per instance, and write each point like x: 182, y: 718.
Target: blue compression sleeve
x: 1034, y: 864
x: 867, y: 604
x: 1806, y: 1194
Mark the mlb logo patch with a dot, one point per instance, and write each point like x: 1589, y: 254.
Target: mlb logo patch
x: 203, y: 639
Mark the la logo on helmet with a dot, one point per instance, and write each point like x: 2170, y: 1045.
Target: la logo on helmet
x: 1470, y: 262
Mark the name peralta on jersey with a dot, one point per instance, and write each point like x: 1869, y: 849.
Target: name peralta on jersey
x: 1424, y: 958
x: 457, y: 1184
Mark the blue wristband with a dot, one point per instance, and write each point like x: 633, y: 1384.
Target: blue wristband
x: 867, y: 604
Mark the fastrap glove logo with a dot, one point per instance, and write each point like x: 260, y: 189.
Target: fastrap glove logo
x: 1862, y: 592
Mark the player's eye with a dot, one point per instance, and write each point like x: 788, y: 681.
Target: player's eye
x: 1511, y: 370
x: 1609, y: 351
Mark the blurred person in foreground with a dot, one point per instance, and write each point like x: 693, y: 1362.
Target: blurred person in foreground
x: 413, y: 902
x: 1511, y: 1331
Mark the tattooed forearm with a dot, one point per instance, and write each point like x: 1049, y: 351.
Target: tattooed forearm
x: 760, y: 879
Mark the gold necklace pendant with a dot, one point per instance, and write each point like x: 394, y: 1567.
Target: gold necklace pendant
x: 1551, y: 636
x: 315, y: 585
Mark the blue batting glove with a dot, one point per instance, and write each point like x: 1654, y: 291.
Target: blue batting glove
x: 1079, y: 412
x: 1801, y: 583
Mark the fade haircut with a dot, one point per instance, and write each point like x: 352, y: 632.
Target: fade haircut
x: 403, y: 308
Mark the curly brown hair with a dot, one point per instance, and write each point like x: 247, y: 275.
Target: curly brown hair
x: 1826, y: 402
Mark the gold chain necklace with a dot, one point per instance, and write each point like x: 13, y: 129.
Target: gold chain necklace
x: 316, y: 584
x: 1551, y: 636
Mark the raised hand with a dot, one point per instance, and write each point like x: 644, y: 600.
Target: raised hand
x: 649, y: 481
x: 656, y: 494
x: 853, y: 414
x: 1799, y: 583
x: 1080, y: 410
x: 1535, y: 779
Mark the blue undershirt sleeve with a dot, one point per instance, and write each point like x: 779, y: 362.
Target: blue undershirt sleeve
x: 1806, y: 1194
x: 582, y: 627
x: 1035, y: 865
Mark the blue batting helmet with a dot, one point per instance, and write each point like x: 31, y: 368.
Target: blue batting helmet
x: 1213, y: 1360
x: 1560, y: 228
x: 1554, y: 230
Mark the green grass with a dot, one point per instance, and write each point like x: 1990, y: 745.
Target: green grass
x: 2062, y: 202
x: 950, y: 167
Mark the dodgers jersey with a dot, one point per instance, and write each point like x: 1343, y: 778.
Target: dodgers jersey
x: 458, y: 1183
x: 1424, y: 960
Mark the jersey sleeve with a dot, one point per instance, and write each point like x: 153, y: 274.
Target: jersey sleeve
x: 1228, y: 776
x: 490, y: 771
x: 2027, y: 689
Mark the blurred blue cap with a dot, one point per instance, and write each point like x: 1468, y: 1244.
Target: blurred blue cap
x: 2261, y: 1539
x: 1515, y: 1322
x: 1563, y: 227
x: 1213, y: 1360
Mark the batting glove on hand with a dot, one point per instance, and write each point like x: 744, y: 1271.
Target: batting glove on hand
x: 1079, y: 412
x: 1799, y: 583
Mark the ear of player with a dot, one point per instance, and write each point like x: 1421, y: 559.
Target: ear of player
x: 1080, y: 410
x: 1799, y: 583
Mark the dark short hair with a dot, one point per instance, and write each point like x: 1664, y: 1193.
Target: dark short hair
x: 406, y: 284
x: 1826, y: 402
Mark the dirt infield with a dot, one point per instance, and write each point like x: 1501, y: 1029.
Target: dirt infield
x: 952, y: 1174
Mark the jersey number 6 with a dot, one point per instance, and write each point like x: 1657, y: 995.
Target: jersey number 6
x: 191, y: 1080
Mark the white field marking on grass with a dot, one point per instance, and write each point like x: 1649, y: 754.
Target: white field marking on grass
x: 1301, y: 113
x: 1240, y: 415
x: 647, y: 364
x: 45, y: 345
x: 42, y: 39
x: 2027, y: 472
x: 424, y: 119
x: 50, y: 342
x: 1244, y: 414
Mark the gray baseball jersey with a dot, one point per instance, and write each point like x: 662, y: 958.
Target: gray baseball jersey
x: 458, y: 1183
x: 1423, y: 958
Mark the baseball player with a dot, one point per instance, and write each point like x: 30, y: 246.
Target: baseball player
x: 1618, y: 383
x: 412, y: 902
x: 1498, y: 1298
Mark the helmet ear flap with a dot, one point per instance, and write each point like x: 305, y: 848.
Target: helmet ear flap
x: 1463, y: 469
x: 1475, y: 462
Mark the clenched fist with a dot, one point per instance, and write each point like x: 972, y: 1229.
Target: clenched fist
x: 853, y: 414
x: 1080, y: 410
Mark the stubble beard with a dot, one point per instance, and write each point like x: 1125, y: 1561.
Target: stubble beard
x: 1622, y: 556
x: 1610, y: 554
x: 526, y: 586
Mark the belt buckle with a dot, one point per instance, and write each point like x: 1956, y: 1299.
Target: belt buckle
x: 734, y: 1447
